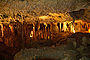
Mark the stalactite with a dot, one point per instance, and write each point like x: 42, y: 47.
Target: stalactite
x: 51, y: 30
x: 71, y: 28
x: 64, y: 26
x: 34, y: 33
x: 55, y: 27
x: 45, y: 35
x: 11, y: 27
x: 2, y: 29
x: 60, y: 26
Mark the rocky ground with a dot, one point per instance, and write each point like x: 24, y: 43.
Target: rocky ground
x: 65, y: 46
x: 7, y: 53
x: 75, y: 47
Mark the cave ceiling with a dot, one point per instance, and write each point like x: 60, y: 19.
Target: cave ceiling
x: 41, y: 7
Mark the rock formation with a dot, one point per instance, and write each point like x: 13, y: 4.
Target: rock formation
x: 41, y: 7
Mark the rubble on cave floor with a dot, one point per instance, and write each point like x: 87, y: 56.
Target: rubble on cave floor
x: 77, y: 47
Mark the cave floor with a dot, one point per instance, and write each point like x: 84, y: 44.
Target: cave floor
x: 72, y: 48
x: 68, y: 41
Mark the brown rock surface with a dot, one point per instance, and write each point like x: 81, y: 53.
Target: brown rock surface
x: 41, y: 7
x: 7, y: 53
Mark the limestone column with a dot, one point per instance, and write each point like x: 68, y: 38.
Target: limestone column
x: 45, y: 35
x: 60, y: 27
x: 2, y: 29
x: 34, y: 34
x: 39, y: 33
x: 72, y: 28
x: 11, y: 28
x: 79, y: 27
x: 48, y: 32
x: 87, y: 25
x: 51, y: 30
x: 55, y: 28
x: 64, y: 26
